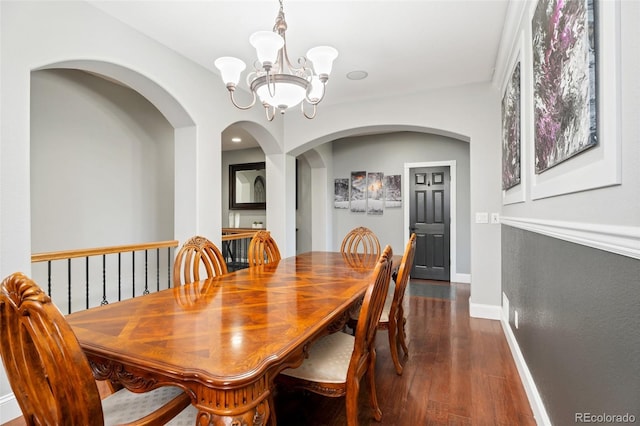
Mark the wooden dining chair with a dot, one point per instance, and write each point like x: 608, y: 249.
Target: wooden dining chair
x: 336, y: 362
x: 360, y: 247
x: 51, y: 377
x: 262, y: 249
x: 361, y: 240
x: 392, y: 317
x: 196, y: 254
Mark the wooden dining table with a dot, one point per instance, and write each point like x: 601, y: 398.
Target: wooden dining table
x: 224, y: 340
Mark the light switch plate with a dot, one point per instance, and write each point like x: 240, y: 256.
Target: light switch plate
x: 482, y: 217
x: 495, y: 217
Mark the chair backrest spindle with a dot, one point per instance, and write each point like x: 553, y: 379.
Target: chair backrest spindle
x: 196, y: 253
x: 263, y: 249
x: 361, y: 240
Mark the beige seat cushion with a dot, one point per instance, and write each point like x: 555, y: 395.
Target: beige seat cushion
x: 328, y: 360
x: 125, y: 406
x: 186, y: 418
x: 386, y: 309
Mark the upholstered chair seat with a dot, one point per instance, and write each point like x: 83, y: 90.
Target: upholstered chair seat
x: 328, y: 360
x: 125, y: 407
x: 386, y: 309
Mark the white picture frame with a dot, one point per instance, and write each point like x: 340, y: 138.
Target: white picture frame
x: 599, y: 166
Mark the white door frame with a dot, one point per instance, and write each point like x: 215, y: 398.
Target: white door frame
x: 452, y: 208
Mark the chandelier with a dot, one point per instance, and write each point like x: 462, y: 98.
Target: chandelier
x: 279, y: 84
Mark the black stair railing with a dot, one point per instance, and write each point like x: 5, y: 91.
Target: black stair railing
x: 104, y: 265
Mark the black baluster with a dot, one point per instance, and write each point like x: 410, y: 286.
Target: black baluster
x: 158, y: 268
x: 86, y: 277
x: 104, y: 281
x: 69, y: 283
x: 133, y: 274
x: 146, y: 284
x: 168, y: 267
x: 119, y: 276
x: 49, y: 277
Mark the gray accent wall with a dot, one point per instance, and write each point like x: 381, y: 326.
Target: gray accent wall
x: 388, y: 153
x: 579, y: 323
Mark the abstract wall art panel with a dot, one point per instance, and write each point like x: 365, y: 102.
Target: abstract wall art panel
x: 358, y: 191
x: 375, y: 193
x: 341, y: 193
x: 564, y: 80
x: 392, y: 191
x: 511, y: 133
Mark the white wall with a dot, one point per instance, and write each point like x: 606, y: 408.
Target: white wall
x: 101, y: 164
x: 304, y: 212
x: 388, y: 153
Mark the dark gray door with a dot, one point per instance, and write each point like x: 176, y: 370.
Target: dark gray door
x: 430, y: 219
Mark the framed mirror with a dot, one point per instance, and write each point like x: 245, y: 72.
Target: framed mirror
x: 247, y: 186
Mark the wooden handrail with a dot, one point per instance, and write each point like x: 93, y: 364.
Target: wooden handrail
x: 238, y: 230
x: 238, y: 236
x: 69, y: 254
x: 96, y: 251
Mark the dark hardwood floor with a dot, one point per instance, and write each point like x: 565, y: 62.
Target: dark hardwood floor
x: 459, y: 372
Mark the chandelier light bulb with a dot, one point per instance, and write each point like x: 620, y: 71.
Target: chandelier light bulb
x: 322, y: 58
x: 230, y: 69
x: 267, y: 45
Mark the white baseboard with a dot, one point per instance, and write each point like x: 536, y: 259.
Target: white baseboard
x: 9, y: 408
x: 492, y: 312
x: 461, y: 278
x: 539, y: 412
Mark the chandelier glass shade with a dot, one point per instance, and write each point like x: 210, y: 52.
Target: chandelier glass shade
x: 275, y: 81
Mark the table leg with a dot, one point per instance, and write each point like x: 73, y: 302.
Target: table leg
x: 259, y: 416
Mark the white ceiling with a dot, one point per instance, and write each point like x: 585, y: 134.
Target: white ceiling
x: 404, y: 46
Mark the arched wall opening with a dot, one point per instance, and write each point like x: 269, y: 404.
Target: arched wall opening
x: 470, y: 113
x: 131, y: 85
x: 101, y: 164
x: 262, y: 142
x: 162, y: 99
x: 404, y: 144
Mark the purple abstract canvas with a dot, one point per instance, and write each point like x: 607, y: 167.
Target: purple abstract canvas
x: 564, y: 80
x: 511, y: 131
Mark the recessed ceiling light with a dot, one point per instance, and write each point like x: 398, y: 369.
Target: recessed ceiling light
x: 236, y: 140
x: 357, y: 75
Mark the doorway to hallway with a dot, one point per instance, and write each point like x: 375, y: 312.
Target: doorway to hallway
x: 430, y: 219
